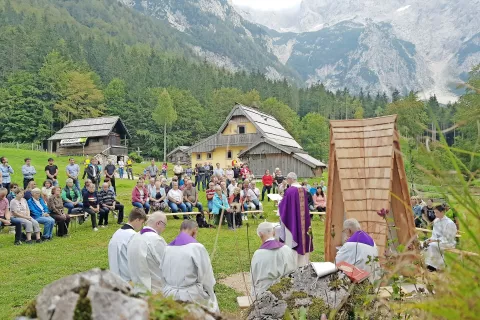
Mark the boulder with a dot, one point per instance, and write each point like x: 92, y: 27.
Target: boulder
x: 101, y: 295
x: 302, y: 288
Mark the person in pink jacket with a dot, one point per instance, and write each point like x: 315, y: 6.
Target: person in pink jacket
x: 319, y: 200
x: 140, y: 196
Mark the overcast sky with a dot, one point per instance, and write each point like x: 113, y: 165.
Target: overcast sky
x: 267, y: 4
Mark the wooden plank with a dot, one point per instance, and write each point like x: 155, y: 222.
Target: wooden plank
x: 363, y: 143
x: 355, y: 205
x: 353, y: 184
x: 379, y: 183
x: 350, y: 195
x: 378, y: 127
x: 379, y: 133
x: 362, y: 122
x: 351, y: 163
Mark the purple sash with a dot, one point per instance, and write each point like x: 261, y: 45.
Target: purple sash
x: 182, y: 239
x: 145, y: 230
x: 362, y: 237
x: 271, y: 245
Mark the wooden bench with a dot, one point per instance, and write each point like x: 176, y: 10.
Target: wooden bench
x: 430, y: 231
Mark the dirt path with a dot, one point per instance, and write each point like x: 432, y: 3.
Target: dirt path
x: 236, y: 282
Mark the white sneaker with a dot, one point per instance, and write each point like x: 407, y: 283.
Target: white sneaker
x: 246, y: 218
x: 95, y: 229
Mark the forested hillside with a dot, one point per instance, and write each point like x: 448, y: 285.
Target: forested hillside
x: 67, y: 59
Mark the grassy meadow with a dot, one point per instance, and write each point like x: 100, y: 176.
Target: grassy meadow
x: 27, y: 269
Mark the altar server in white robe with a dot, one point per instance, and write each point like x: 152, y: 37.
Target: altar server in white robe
x: 145, y: 253
x: 117, y: 247
x: 443, y: 237
x: 187, y: 272
x: 359, y: 249
x: 271, y: 262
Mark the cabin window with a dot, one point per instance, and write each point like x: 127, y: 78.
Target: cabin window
x: 229, y: 154
x: 199, y: 156
x: 241, y: 129
x: 209, y: 156
x: 94, y: 140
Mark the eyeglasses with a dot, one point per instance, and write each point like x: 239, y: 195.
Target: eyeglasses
x: 164, y: 224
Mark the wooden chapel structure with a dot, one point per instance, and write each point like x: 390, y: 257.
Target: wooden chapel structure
x: 366, y: 174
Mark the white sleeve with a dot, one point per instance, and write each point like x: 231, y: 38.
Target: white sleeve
x: 205, y: 274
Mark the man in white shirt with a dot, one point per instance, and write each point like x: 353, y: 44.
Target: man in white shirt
x: 187, y: 272
x: 151, y: 187
x: 359, y: 249
x: 117, y: 247
x: 218, y: 172
x: 145, y: 253
x: 443, y: 237
x: 175, y: 200
x: 178, y: 170
x: 272, y: 261
x: 121, y: 167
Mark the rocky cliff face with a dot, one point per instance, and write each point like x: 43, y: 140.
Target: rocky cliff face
x: 443, y: 36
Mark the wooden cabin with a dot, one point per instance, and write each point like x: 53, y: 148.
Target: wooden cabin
x: 104, y: 135
x: 244, y: 135
x: 179, y: 154
x: 366, y: 174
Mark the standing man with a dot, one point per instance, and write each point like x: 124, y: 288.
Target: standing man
x: 295, y: 220
x: 178, y: 170
x: 86, y: 163
x: 73, y: 170
x: 218, y: 172
x: 145, y: 253
x: 5, y: 174
x: 51, y: 170
x: 93, y: 172
x: 187, y: 272
x: 271, y: 262
x: 121, y: 167
x: 206, y: 167
x: 129, y: 169
x: 28, y: 172
x: 117, y: 247
x: 201, y: 177
x: 110, y: 174
x: 152, y: 169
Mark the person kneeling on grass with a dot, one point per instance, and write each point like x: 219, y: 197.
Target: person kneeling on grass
x: 39, y: 211
x: 19, y: 209
x: 6, y: 219
x: 71, y: 196
x: 91, y: 206
x: 55, y: 205
x: 108, y: 203
x: 443, y: 237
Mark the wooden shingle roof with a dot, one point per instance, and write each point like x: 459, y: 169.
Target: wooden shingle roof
x: 91, y: 127
x: 367, y: 166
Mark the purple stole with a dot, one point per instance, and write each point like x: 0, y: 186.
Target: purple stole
x: 271, y: 245
x: 146, y: 230
x: 182, y: 239
x: 362, y: 237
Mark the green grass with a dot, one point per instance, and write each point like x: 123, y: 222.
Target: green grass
x: 27, y: 269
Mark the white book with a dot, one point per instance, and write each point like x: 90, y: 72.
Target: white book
x: 323, y: 269
x: 274, y: 197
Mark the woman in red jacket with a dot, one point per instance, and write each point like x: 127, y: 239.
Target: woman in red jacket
x: 267, y: 181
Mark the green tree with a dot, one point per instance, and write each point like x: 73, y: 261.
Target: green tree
x: 115, y: 96
x: 412, y: 117
x: 164, y: 114
x: 315, y: 135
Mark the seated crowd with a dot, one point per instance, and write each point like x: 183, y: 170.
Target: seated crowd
x: 51, y: 205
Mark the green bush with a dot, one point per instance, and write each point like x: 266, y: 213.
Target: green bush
x: 135, y: 157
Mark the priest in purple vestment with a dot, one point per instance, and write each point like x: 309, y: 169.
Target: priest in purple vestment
x: 272, y: 261
x: 359, y: 249
x: 295, y: 220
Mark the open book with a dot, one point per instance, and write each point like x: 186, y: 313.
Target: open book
x: 323, y: 269
x: 274, y: 197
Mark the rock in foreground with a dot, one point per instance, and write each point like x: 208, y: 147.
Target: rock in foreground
x: 101, y: 295
x: 303, y: 289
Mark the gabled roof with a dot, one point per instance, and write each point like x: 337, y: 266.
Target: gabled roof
x: 265, y: 124
x: 179, y: 148
x: 91, y: 127
x: 297, y: 153
x: 367, y: 168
